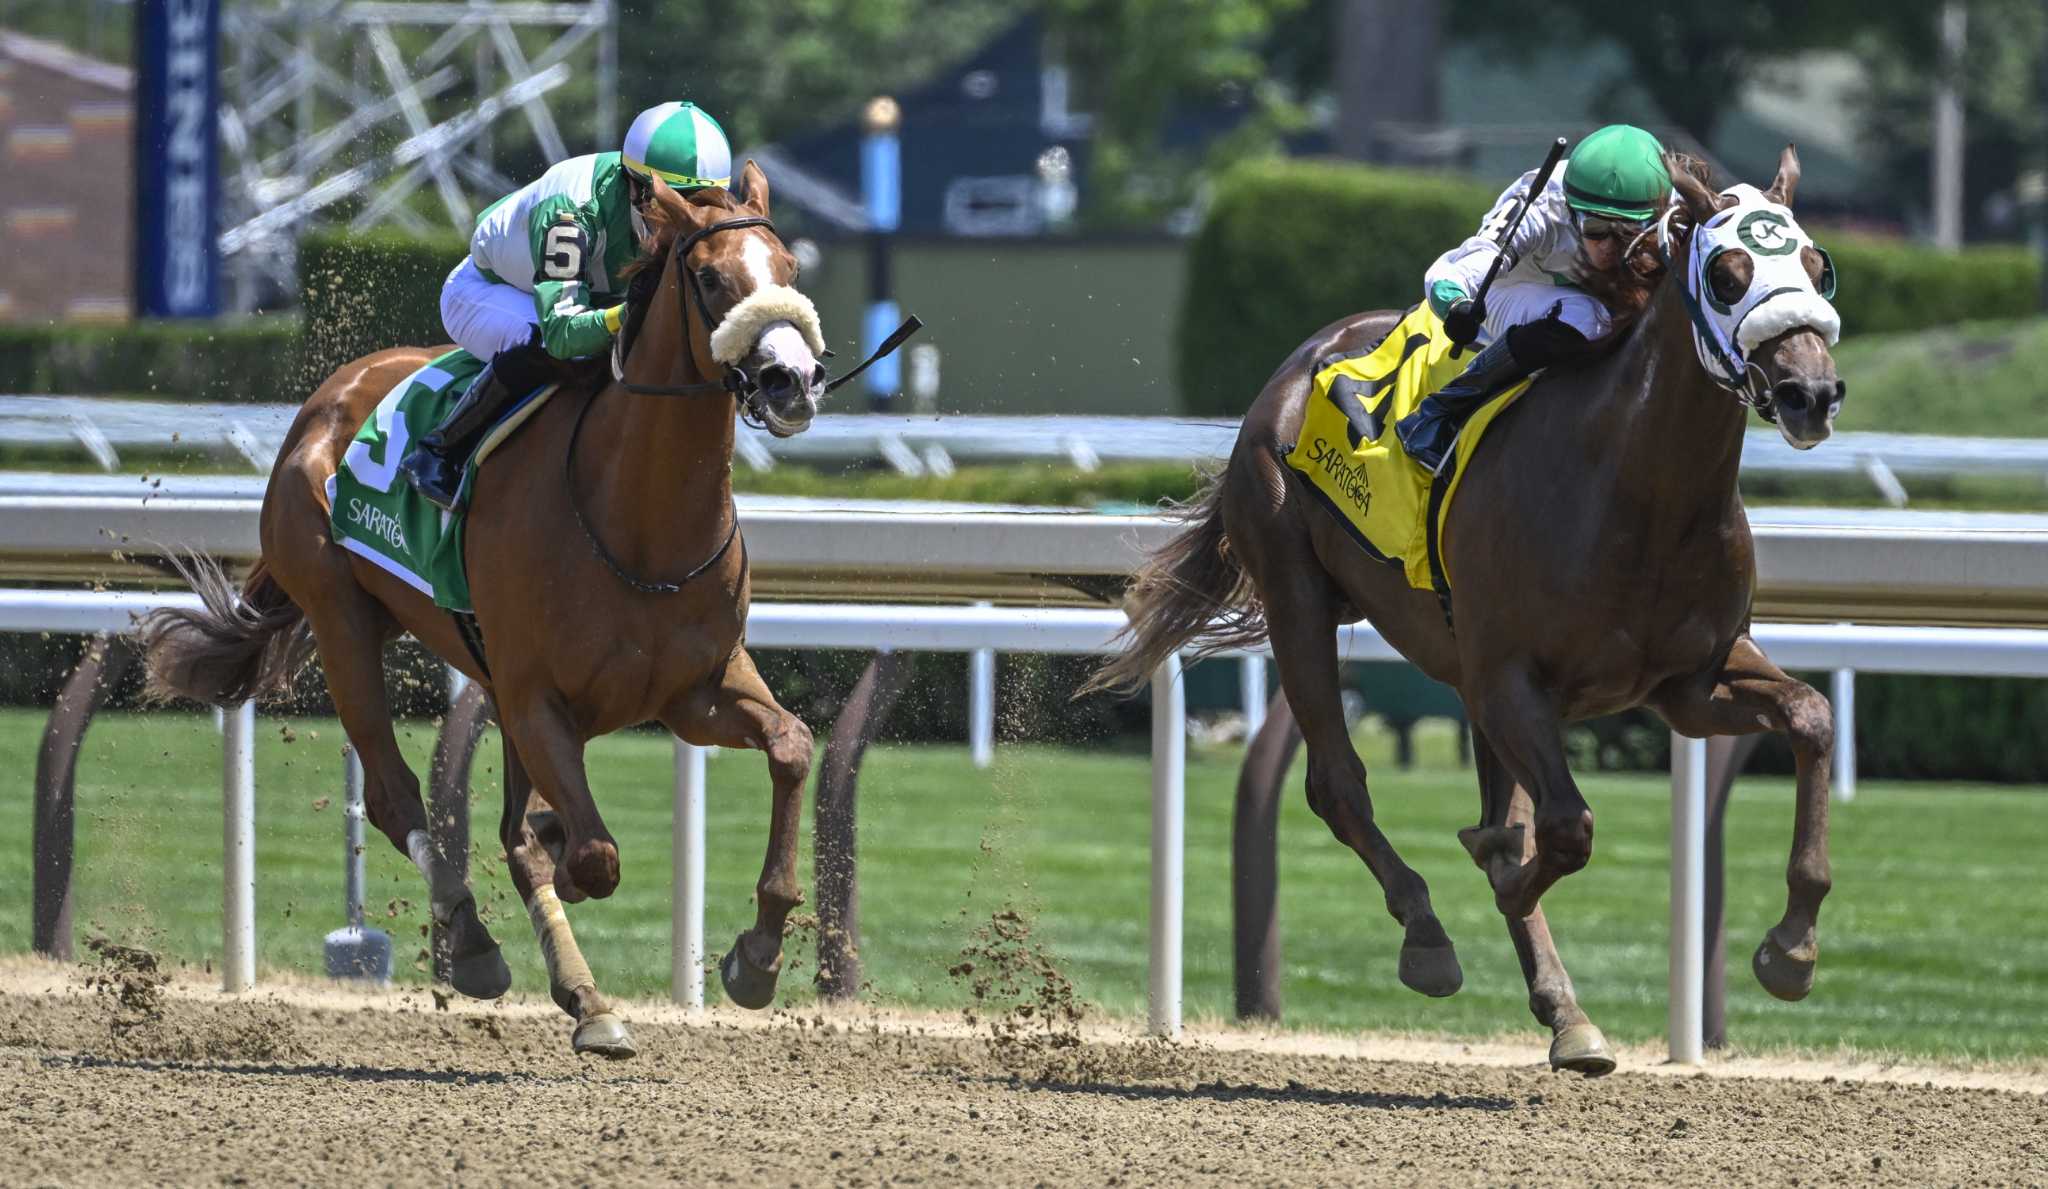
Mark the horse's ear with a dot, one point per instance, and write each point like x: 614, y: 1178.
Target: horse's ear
x: 1787, y: 181
x: 666, y: 206
x: 753, y: 188
x: 1699, y: 198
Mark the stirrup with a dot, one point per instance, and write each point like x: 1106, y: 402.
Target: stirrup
x: 435, y: 476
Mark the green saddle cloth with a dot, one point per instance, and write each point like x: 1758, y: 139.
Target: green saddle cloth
x: 376, y: 513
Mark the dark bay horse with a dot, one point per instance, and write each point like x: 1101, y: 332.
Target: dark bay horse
x: 1599, y: 560
x: 609, y: 583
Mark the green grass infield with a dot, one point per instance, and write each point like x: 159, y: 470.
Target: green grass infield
x: 1934, y: 943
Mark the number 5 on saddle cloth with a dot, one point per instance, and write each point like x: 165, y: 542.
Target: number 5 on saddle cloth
x: 378, y: 516
x: 1353, y: 461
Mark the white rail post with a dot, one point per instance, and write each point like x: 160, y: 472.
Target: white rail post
x: 686, y: 915
x: 1251, y: 680
x: 354, y: 882
x: 238, y: 850
x: 981, y: 704
x: 1688, y: 897
x: 1845, y: 734
x: 1169, y: 812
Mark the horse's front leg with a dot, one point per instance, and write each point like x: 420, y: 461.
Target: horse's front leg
x: 1510, y: 709
x: 1751, y: 694
x: 1500, y: 843
x: 550, y: 745
x: 740, y: 712
x: 533, y: 837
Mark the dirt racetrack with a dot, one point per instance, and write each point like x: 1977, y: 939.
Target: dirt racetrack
x: 311, y: 1084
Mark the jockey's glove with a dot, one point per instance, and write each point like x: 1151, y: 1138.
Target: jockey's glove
x: 1463, y: 320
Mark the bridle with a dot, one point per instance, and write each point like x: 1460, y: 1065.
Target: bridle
x: 1736, y: 375
x: 735, y: 382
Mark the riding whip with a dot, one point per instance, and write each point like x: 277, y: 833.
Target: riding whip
x: 1507, y: 236
x: 911, y: 325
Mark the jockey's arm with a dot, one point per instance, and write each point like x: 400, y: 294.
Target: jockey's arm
x: 570, y: 324
x: 1458, y: 273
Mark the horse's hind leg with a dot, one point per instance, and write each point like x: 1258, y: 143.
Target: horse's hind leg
x: 1303, y: 626
x: 351, y: 628
x: 526, y: 820
x: 1501, y: 841
x: 1751, y: 694
x: 740, y: 712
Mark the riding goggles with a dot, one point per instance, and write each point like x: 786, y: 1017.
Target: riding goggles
x: 1598, y: 227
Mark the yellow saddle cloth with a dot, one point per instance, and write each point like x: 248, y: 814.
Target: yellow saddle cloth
x: 1353, y: 460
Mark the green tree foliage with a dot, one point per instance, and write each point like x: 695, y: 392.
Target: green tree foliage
x: 2002, y: 118
x: 1691, y: 58
x: 771, y: 70
x: 1135, y: 60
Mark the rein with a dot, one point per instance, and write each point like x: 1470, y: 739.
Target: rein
x: 735, y: 382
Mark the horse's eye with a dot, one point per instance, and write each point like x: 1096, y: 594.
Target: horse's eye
x: 709, y: 278
x: 1730, y: 275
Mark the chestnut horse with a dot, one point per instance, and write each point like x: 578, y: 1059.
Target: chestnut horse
x: 575, y: 645
x: 1599, y: 560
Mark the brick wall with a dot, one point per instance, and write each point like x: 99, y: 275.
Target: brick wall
x: 67, y: 185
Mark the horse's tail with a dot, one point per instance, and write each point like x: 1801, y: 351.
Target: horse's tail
x: 239, y: 646
x: 1193, y: 591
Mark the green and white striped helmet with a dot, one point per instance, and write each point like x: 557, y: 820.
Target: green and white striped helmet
x: 681, y: 145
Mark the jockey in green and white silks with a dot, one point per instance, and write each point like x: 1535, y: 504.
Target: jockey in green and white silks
x: 1538, y: 310
x: 541, y: 281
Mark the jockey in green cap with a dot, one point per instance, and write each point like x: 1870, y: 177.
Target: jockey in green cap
x: 541, y: 281
x: 1539, y: 310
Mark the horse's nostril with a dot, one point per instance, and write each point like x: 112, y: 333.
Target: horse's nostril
x: 777, y: 380
x: 1791, y: 395
x: 819, y: 376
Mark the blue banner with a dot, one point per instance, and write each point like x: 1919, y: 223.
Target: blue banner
x: 177, y: 158
x: 881, y: 180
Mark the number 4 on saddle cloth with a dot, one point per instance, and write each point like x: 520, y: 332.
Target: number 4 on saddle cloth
x: 378, y: 516
x: 1352, y: 458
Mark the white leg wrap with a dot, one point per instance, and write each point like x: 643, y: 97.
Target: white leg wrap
x: 566, y: 967
x: 446, y: 889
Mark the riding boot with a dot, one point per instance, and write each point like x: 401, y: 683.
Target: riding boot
x: 1429, y: 432
x: 435, y: 465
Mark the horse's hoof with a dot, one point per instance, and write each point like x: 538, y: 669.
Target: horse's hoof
x: 1783, y: 975
x: 481, y: 975
x: 1432, y: 970
x: 604, y: 1034
x: 745, y: 983
x: 1581, y: 1049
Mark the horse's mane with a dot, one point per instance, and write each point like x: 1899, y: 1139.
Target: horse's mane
x: 667, y: 217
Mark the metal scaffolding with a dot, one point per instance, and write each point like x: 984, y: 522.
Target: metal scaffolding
x: 344, y: 110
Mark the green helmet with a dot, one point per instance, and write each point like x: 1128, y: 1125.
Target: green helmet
x: 1619, y: 171
x: 680, y: 144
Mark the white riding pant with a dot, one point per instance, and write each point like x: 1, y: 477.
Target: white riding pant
x: 483, y: 316
x: 1520, y: 303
